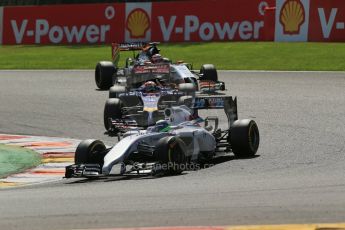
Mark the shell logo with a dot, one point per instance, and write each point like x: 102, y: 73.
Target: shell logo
x: 292, y: 16
x: 138, y: 23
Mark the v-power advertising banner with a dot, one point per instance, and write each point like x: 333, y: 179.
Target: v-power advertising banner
x: 182, y: 21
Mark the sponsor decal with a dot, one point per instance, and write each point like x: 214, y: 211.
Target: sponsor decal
x: 138, y: 22
x: 327, y: 20
x: 157, y: 68
x: 1, y: 23
x: 61, y: 24
x: 56, y: 34
x: 207, y: 31
x: 292, y: 16
x: 208, y: 103
x: 292, y: 20
x: 241, y: 21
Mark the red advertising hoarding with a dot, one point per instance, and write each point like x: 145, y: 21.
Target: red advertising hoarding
x: 63, y: 24
x: 202, y: 20
x: 210, y: 20
x: 327, y: 20
x: 182, y: 21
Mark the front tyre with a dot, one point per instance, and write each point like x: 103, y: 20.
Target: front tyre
x: 244, y: 138
x: 113, y: 110
x: 104, y: 74
x: 171, y: 153
x: 115, y: 90
x: 90, y: 152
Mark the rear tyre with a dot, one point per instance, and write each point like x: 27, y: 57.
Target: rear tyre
x: 112, y: 109
x: 244, y: 138
x: 209, y: 72
x: 104, y: 74
x: 115, y: 90
x: 171, y: 153
x: 90, y: 152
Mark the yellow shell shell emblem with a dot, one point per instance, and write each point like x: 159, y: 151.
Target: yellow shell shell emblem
x: 138, y: 22
x: 292, y: 16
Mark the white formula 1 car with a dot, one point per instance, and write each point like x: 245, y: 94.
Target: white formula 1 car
x: 170, y: 144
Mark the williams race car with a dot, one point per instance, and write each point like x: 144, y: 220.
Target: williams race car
x: 147, y: 65
x: 170, y: 144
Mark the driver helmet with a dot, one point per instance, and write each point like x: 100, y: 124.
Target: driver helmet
x: 150, y: 86
x: 156, y: 58
x: 162, y: 126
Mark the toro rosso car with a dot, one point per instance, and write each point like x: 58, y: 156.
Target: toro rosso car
x: 171, y: 144
x: 142, y: 107
x: 148, y: 64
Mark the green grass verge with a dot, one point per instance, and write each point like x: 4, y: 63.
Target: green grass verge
x: 225, y: 55
x: 16, y: 159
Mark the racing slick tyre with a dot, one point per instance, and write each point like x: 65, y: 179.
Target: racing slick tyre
x: 188, y: 88
x: 209, y: 72
x: 244, y: 138
x: 186, y: 100
x: 112, y: 109
x: 171, y: 153
x: 104, y: 74
x: 90, y: 152
x: 115, y: 90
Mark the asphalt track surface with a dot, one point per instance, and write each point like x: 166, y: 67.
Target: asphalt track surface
x: 298, y: 176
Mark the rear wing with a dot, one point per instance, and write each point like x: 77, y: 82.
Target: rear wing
x: 117, y: 47
x: 228, y: 103
x: 130, y: 46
